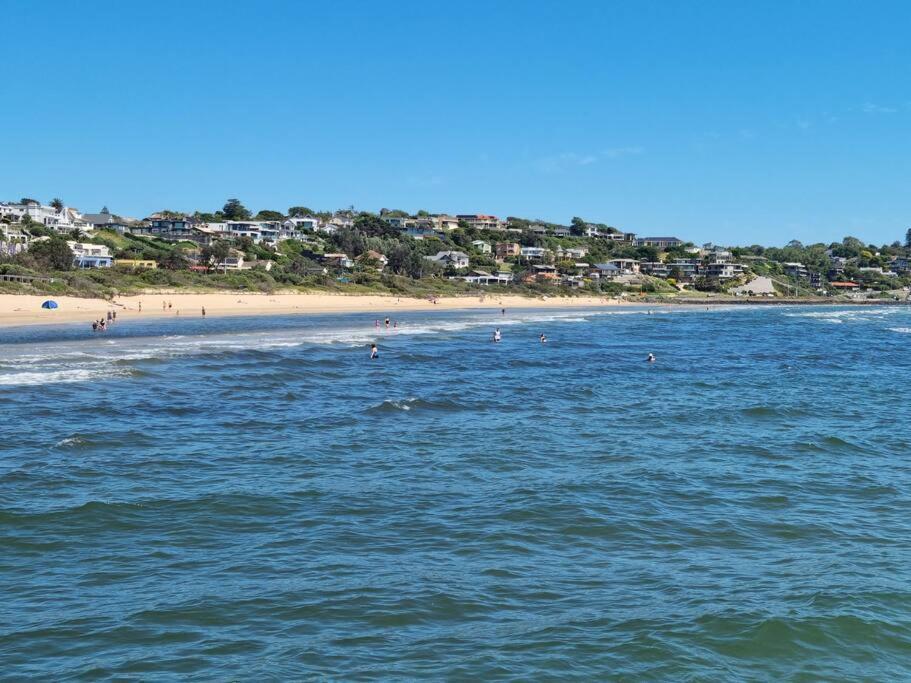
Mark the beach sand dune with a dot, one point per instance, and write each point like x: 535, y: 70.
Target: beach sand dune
x: 16, y: 309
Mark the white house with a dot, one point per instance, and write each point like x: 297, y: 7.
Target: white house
x: 481, y: 246
x: 533, y: 253
x: 456, y: 259
x: 65, y: 220
x: 305, y: 223
x: 91, y: 255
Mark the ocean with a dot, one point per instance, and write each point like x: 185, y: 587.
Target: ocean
x: 254, y: 498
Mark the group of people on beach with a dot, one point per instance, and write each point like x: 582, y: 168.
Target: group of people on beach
x: 102, y: 324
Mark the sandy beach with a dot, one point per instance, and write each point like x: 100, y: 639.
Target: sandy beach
x: 26, y: 309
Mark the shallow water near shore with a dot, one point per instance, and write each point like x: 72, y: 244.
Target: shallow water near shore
x: 254, y: 498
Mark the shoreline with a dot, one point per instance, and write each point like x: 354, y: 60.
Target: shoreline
x: 21, y: 310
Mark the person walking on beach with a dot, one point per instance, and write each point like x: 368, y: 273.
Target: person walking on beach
x: 203, y: 311
x: 114, y: 315
x: 496, y: 335
x: 140, y: 307
x: 374, y: 352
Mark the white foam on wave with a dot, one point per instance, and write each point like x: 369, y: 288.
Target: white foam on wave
x: 853, y: 314
x: 59, y: 376
x: 85, y: 361
x: 901, y: 330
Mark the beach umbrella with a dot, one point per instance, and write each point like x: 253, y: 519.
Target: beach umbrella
x: 49, y: 304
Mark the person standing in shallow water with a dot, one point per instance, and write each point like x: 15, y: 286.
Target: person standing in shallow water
x: 496, y: 335
x: 374, y: 352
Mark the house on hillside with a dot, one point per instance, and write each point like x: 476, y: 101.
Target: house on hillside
x: 481, y: 246
x: 506, y: 250
x: 106, y: 220
x: 338, y: 260
x: 374, y: 257
x: 533, y: 253
x: 606, y: 271
x: 659, y: 242
x: 87, y: 255
x: 481, y: 221
x: 626, y: 266
x: 796, y: 270
x: 302, y: 224
x: 456, y: 259
x: 482, y: 277
x: 541, y: 273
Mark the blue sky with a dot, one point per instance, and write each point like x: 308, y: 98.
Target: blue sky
x: 730, y: 122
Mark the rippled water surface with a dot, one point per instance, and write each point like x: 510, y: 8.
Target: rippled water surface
x: 252, y: 498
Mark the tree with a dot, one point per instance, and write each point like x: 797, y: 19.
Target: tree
x: 52, y: 254
x: 28, y: 200
x: 299, y: 211
x: 374, y: 226
x: 57, y: 204
x: 215, y: 253
x: 908, y: 239
x: 577, y: 226
x: 233, y: 210
x: 267, y: 215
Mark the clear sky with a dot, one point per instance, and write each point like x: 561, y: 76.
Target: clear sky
x: 726, y: 121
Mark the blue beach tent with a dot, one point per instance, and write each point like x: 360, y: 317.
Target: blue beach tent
x: 49, y: 304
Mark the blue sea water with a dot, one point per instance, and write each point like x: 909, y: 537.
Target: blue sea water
x: 253, y: 498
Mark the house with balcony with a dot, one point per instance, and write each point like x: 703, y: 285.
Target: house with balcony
x: 655, y: 269
x: 505, y: 250
x: 533, y: 253
x: 86, y: 255
x: 606, y: 271
x: 302, y: 224
x: 796, y: 270
x: 456, y: 259
x: 627, y: 266
x: 445, y: 223
x: 659, y: 242
x: 722, y: 271
x: 481, y: 221
x: 481, y: 246
x: 541, y: 273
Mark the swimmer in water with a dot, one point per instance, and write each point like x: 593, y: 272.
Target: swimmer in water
x: 374, y: 353
x: 543, y: 338
x: 651, y: 358
x: 387, y: 323
x: 496, y: 335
